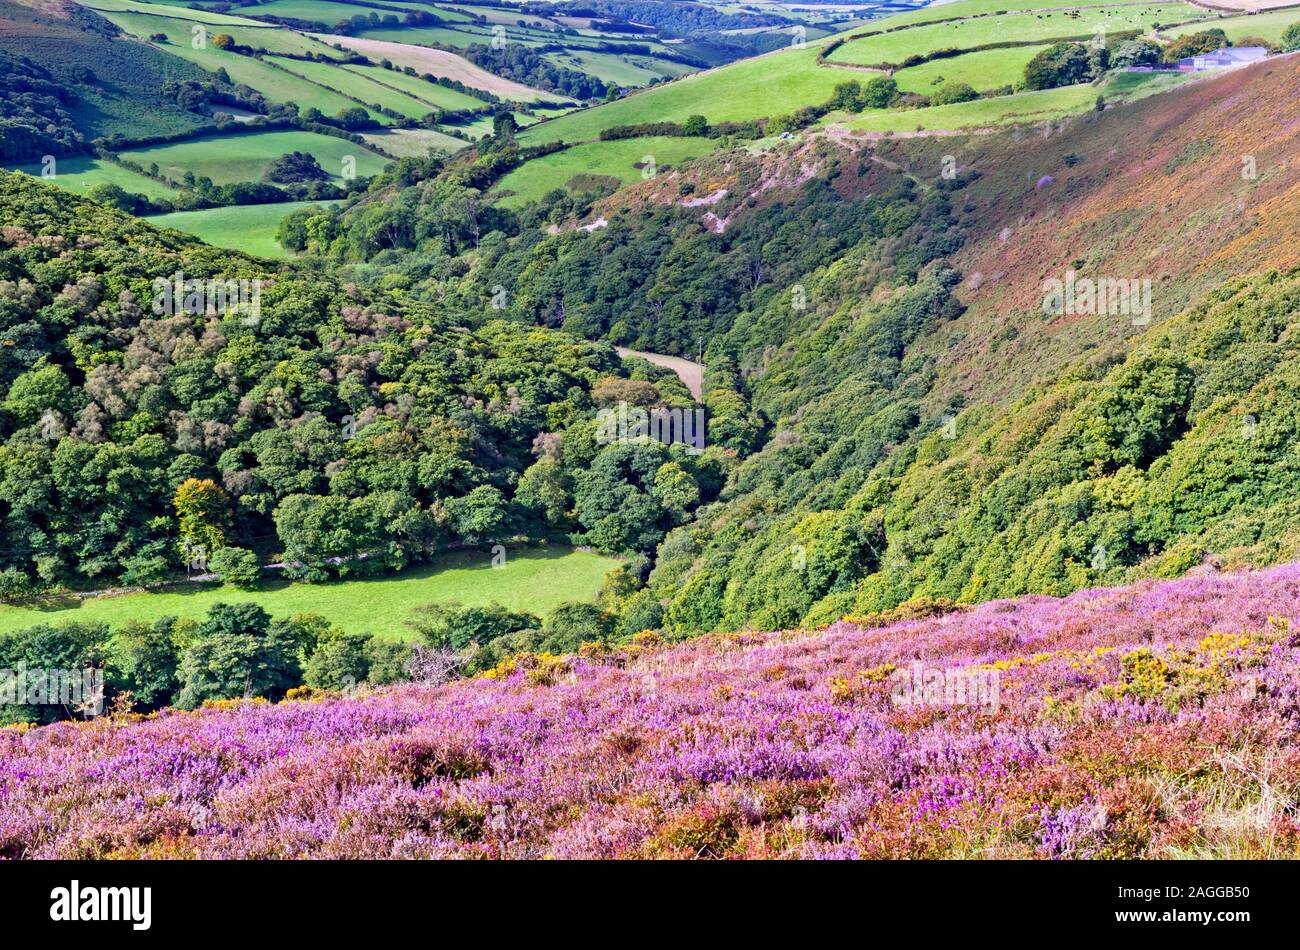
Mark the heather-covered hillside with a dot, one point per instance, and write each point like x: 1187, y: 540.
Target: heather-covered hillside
x: 1157, y: 721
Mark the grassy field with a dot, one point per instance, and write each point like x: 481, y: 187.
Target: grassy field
x: 537, y: 581
x: 178, y: 26
x: 782, y: 81
x: 1024, y: 107
x: 357, y: 86
x: 762, y: 86
x: 897, y: 46
x: 406, y: 143
x: 319, y: 11
x: 81, y: 173
x: 163, y: 9
x: 421, y: 89
x: 459, y: 37
x: 983, y: 70
x: 967, y: 8
x: 247, y: 228
x: 616, y: 159
x: 276, y: 84
x: 234, y: 158
x: 1269, y: 26
x: 482, y: 125
x: 616, y: 69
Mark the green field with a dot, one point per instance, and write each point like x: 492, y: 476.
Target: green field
x: 277, y: 85
x: 163, y: 9
x: 357, y: 86
x: 537, y: 581
x: 967, y: 8
x: 615, y: 69
x: 1023, y: 107
x: 319, y: 11
x: 246, y: 157
x: 983, y: 70
x: 481, y: 125
x: 246, y: 33
x: 1269, y: 26
x: 616, y: 159
x: 247, y: 228
x: 897, y: 46
x: 421, y: 89
x: 459, y: 37
x: 79, y: 174
x: 767, y: 85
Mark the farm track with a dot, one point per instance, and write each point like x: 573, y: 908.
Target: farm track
x: 690, y: 373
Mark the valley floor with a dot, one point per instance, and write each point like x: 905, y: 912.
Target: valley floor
x: 536, y: 580
x: 1158, y: 720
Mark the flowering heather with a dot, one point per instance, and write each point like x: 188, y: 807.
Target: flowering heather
x: 1158, y: 720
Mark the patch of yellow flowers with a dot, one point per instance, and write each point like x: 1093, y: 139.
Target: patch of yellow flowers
x: 848, y: 688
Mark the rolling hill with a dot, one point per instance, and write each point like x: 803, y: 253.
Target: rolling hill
x: 1081, y: 740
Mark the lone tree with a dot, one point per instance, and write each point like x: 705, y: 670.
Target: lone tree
x: 294, y: 168
x: 203, y: 509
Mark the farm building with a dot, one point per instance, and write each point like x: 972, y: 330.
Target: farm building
x: 1223, y: 58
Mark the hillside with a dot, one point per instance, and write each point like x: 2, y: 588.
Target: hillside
x: 850, y: 300
x: 1156, y: 721
x: 97, y: 79
x: 650, y: 429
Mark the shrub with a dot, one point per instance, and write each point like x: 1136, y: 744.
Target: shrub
x: 951, y: 92
x: 238, y: 567
x: 340, y: 661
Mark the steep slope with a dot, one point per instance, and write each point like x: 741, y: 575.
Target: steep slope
x: 936, y: 427
x: 106, y: 82
x: 1032, y: 729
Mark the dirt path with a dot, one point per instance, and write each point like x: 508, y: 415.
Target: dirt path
x: 692, y: 374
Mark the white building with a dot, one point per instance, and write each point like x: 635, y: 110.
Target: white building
x: 1224, y: 58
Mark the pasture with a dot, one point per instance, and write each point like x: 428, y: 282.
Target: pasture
x: 618, y: 70
x: 1021, y: 108
x: 247, y: 228
x: 1268, y: 26
x: 246, y: 157
x: 408, y: 143
x: 536, y: 580
x: 417, y: 88
x: 439, y: 62
x: 767, y: 85
x: 616, y: 159
x: 357, y: 86
x: 78, y: 174
x: 179, y: 30
x: 982, y: 70
x: 877, y: 48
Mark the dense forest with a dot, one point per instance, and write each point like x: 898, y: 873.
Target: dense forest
x: 428, y: 374
x: 849, y: 492
x: 329, y: 425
